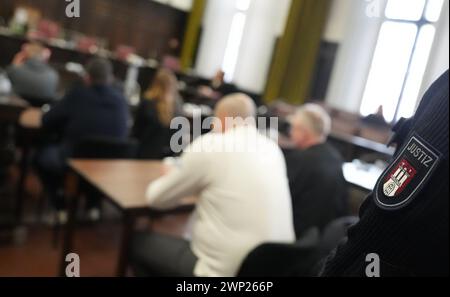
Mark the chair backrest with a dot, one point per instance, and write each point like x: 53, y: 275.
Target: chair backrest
x: 279, y: 260
x: 300, y: 259
x: 335, y: 233
x: 105, y: 148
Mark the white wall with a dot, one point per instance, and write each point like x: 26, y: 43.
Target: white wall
x: 216, y: 27
x: 354, y: 55
x: 265, y: 21
x: 259, y: 41
x: 337, y: 21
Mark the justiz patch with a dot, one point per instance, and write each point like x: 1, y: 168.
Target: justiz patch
x: 404, y: 179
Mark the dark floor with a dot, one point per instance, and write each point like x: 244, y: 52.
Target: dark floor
x: 97, y: 244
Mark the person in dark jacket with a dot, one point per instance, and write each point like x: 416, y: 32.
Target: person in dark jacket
x: 159, y: 105
x: 92, y: 109
x: 318, y: 188
x: 218, y: 88
x: 404, y: 227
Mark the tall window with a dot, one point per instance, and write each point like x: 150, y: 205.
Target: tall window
x: 401, y: 56
x: 235, y: 38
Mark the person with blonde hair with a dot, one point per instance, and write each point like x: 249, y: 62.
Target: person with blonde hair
x: 159, y: 105
x: 318, y: 187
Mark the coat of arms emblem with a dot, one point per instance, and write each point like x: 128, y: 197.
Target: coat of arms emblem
x: 399, y: 178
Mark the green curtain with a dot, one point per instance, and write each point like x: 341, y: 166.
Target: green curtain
x: 296, y: 52
x: 192, y: 33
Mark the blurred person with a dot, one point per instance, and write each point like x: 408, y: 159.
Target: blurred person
x: 376, y: 119
x: 243, y: 200
x: 171, y: 59
x: 159, y: 105
x: 31, y: 76
x: 218, y: 88
x: 317, y: 183
x: 92, y: 109
x: 404, y: 227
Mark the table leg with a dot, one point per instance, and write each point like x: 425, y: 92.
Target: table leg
x: 127, y: 233
x: 69, y: 230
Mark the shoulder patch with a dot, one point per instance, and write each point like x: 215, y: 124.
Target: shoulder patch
x: 405, y: 178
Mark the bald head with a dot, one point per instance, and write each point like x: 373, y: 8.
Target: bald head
x: 236, y: 106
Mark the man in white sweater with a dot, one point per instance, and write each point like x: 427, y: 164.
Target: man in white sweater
x: 240, y: 179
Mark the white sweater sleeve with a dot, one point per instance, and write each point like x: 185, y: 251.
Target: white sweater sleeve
x: 187, y: 180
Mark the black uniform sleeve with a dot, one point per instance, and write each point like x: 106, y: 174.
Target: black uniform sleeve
x: 407, y: 225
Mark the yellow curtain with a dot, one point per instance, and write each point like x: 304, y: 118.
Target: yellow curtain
x: 295, y: 55
x: 192, y: 33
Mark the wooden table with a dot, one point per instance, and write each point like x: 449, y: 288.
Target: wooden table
x: 123, y: 183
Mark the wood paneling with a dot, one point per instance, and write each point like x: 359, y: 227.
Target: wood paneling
x: 145, y: 25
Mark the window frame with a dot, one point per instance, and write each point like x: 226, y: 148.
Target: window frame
x: 420, y: 23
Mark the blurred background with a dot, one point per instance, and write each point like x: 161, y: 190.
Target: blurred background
x: 367, y: 62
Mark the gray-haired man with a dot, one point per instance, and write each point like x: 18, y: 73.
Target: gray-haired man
x: 318, y: 187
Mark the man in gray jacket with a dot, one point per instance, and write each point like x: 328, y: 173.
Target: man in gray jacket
x: 31, y: 76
